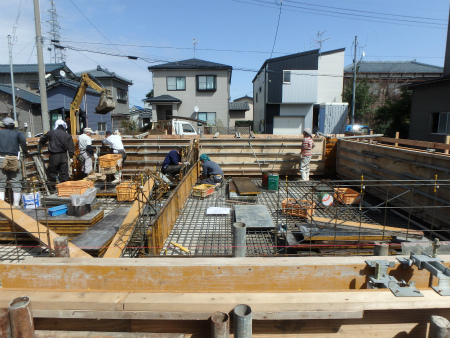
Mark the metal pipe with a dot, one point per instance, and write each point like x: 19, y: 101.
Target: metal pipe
x: 242, y: 321
x: 21, y: 319
x: 239, y: 240
x: 61, y: 245
x: 220, y: 325
x: 5, y: 327
x: 360, y: 136
x: 381, y: 250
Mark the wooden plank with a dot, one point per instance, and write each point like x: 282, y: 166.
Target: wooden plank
x: 245, y: 186
x: 232, y: 187
x: 122, y: 237
x: 36, y: 229
x: 95, y: 334
x: 250, y: 274
x: 414, y: 143
x: 100, y: 234
x: 366, y: 226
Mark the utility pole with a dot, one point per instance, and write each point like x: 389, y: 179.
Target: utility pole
x: 12, y: 78
x: 41, y: 68
x: 354, y: 83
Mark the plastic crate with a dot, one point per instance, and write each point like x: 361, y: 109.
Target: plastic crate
x: 127, y: 191
x: 108, y: 170
x: 203, y: 190
x: 69, y: 188
x: 59, y: 210
x: 300, y: 208
x: 346, y: 195
x: 108, y: 161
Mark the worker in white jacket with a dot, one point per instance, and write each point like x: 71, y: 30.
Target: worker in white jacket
x: 86, y: 150
x: 115, y: 142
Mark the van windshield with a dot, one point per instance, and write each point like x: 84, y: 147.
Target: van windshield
x: 187, y: 128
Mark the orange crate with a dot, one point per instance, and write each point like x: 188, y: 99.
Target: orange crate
x: 203, y: 190
x: 346, y: 195
x: 127, y: 191
x: 108, y: 170
x: 68, y: 188
x: 109, y: 160
x: 302, y: 208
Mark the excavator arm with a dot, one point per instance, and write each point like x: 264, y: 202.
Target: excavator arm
x: 105, y: 105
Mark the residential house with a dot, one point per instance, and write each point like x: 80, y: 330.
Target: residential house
x: 430, y: 106
x: 28, y: 109
x: 119, y: 87
x: 142, y: 116
x: 386, y: 78
x: 59, y: 97
x: 241, y: 109
x: 288, y: 90
x: 191, y: 88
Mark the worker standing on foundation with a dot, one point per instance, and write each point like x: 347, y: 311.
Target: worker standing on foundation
x: 306, y: 153
x: 86, y: 150
x: 172, y: 163
x: 10, y: 141
x: 212, y: 173
x: 115, y: 142
x: 59, y: 143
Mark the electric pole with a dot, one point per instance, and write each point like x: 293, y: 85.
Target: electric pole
x: 41, y: 68
x: 13, y: 90
x: 354, y: 83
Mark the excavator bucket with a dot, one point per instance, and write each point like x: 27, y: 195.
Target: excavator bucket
x: 105, y: 105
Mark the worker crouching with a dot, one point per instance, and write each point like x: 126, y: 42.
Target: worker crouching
x: 59, y: 144
x: 11, y: 141
x: 172, y: 162
x: 212, y: 173
x: 115, y: 142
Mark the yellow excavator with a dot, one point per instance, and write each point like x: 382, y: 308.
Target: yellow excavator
x: 105, y: 105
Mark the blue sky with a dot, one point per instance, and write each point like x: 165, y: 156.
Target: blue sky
x: 239, y: 33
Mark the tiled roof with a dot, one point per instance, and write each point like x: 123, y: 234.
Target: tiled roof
x: 104, y: 73
x: 238, y: 106
x: 31, y: 68
x: 71, y: 84
x: 393, y: 67
x: 163, y: 98
x: 191, y: 64
x: 243, y: 98
x: 20, y: 93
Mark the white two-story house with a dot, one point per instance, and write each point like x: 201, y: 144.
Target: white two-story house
x: 191, y: 88
x: 289, y: 90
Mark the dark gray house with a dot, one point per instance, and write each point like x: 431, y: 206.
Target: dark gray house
x: 60, y: 95
x: 430, y: 106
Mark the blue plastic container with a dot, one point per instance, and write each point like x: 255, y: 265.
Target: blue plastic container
x: 59, y: 210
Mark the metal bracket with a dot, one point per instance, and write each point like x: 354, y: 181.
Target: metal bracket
x: 435, y: 267
x: 381, y: 280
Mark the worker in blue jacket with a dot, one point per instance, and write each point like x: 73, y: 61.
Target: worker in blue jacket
x: 172, y: 163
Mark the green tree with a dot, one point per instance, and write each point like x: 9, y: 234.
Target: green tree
x: 364, y: 100
x: 149, y: 94
x: 394, y: 115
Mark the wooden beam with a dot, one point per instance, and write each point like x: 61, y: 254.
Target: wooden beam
x: 122, y: 237
x: 250, y: 274
x: 36, y: 229
x: 94, y: 334
x: 366, y: 225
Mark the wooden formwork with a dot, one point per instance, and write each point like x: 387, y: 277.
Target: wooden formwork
x: 390, y: 165
x: 251, y: 156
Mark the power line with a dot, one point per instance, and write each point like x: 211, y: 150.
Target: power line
x: 276, y: 33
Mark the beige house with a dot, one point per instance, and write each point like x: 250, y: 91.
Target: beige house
x: 241, y: 109
x: 191, y: 88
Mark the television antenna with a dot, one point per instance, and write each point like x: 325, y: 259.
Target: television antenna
x: 194, y: 43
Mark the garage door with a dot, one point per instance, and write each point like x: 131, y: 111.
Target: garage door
x: 288, y: 125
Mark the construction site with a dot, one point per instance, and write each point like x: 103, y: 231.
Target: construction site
x: 361, y: 249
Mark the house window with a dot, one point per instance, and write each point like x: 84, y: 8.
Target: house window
x: 440, y: 123
x: 101, y: 126
x: 286, y: 76
x: 122, y: 95
x: 206, y: 82
x: 209, y: 118
x: 33, y: 85
x: 176, y: 83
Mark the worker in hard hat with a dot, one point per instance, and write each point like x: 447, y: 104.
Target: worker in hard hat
x: 306, y: 153
x: 59, y: 144
x: 86, y: 150
x: 115, y: 141
x: 11, y: 141
x: 212, y: 173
